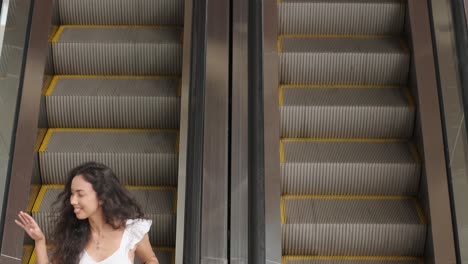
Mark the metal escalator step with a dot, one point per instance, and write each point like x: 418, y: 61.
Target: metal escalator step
x: 158, y: 203
x: 349, y: 167
x: 341, y: 17
x: 352, y: 226
x: 343, y: 60
x: 350, y: 260
x: 117, y: 50
x: 113, y: 102
x: 121, y: 12
x: 138, y: 157
x: 335, y: 112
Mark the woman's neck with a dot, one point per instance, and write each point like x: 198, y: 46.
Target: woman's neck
x: 98, y: 224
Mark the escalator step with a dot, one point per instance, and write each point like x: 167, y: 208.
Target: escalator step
x: 138, y: 157
x: 350, y: 260
x: 158, y: 203
x: 113, y: 102
x: 343, y: 60
x: 349, y: 167
x: 358, y: 226
x: 164, y: 255
x: 341, y: 17
x: 334, y: 112
x: 117, y: 50
x: 27, y: 253
x: 121, y: 12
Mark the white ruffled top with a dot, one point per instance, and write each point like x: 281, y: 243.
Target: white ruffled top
x: 134, y: 232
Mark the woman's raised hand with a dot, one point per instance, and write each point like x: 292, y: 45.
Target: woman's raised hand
x: 30, y: 226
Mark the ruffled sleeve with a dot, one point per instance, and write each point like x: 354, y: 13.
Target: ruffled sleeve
x: 136, y: 230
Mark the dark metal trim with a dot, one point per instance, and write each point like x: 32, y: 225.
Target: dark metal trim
x: 271, y: 125
x: 432, y: 137
x: 26, y: 132
x: 187, y: 240
x: 194, y: 83
x: 256, y: 130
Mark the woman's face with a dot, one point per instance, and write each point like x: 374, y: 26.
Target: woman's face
x: 83, y: 198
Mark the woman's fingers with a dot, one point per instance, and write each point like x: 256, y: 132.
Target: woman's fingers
x: 20, y: 224
x: 23, y: 218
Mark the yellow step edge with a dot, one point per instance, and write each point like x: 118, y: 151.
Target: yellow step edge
x: 282, y: 155
x: 409, y: 97
x: 339, y: 86
x: 283, y: 211
x: 40, y: 197
x: 56, y: 78
x: 420, y: 211
x: 345, y: 197
x: 371, y: 140
x: 352, y: 258
x: 27, y: 253
x: 415, y: 153
x: 280, y: 44
x: 33, y: 194
x: 60, y: 30
x: 280, y: 96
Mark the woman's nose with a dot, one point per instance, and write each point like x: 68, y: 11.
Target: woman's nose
x: 72, y: 200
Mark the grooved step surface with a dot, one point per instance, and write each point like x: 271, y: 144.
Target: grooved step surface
x: 98, y: 102
x: 118, y: 34
x: 121, y: 12
x: 354, y: 226
x: 351, y: 260
x: 346, y: 113
x: 350, y: 61
x: 341, y: 17
x: 158, y: 205
x: 341, y: 45
x: 138, y: 157
x: 117, y: 51
x: 349, y: 168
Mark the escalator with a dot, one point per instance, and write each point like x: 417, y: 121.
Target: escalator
x: 350, y: 170
x: 114, y: 97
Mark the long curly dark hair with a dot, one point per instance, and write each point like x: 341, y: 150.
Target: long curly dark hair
x: 71, y: 234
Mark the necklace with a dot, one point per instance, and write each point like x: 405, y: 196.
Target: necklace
x: 96, y: 241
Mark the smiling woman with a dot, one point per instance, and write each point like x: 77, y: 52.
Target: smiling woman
x: 99, y: 222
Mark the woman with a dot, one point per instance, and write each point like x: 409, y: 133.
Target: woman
x: 98, y: 222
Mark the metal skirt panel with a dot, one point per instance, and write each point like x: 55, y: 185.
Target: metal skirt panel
x: 344, y: 68
x: 347, y: 122
x: 130, y: 168
x: 347, y: 18
x: 113, y: 112
x: 117, y: 59
x: 351, y: 260
x: 121, y: 12
x: 354, y: 239
x: 350, y: 179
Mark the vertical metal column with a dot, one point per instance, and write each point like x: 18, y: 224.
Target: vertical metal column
x: 239, y: 134
x: 215, y: 149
